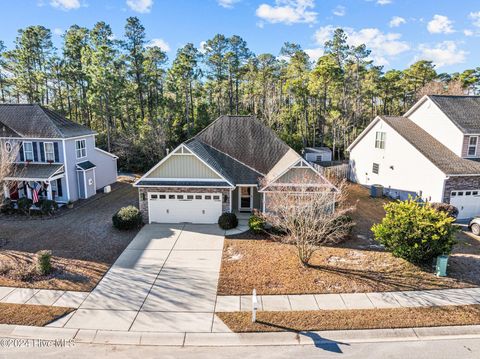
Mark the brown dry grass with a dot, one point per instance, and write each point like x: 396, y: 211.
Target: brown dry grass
x: 24, y: 314
x: 358, y: 265
x: 241, y: 322
x: 84, y: 244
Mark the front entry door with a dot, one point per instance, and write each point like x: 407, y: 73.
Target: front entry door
x: 245, y: 202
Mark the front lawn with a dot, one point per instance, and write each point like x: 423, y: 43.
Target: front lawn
x: 83, y: 243
x: 241, y: 322
x: 358, y: 265
x: 36, y: 315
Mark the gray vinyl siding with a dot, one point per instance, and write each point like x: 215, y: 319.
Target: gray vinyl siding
x: 183, y: 166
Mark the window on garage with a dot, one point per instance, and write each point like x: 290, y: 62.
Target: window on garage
x: 208, y: 197
x: 198, y: 196
x: 190, y: 197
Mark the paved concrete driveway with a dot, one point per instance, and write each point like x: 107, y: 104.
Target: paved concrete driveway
x: 164, y: 281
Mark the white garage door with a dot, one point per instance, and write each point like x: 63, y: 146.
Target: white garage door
x: 467, y: 202
x: 184, y: 207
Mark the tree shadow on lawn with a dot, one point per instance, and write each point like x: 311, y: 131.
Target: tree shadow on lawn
x: 319, y: 342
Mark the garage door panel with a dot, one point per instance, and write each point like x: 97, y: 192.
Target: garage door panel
x: 185, y: 207
x: 467, y: 202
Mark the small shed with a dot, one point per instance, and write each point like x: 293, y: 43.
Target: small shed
x: 317, y: 154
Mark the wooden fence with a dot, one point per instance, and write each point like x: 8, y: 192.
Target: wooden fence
x: 337, y: 171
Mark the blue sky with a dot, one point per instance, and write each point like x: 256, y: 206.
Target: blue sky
x: 397, y: 31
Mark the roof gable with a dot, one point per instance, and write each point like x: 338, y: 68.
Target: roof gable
x: 35, y: 121
x: 247, y: 140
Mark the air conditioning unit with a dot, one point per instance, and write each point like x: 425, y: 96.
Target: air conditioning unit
x: 107, y: 189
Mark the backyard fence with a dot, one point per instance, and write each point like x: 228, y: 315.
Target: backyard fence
x: 333, y: 170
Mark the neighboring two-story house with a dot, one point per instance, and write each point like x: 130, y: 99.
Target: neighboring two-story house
x: 431, y: 152
x: 54, y: 152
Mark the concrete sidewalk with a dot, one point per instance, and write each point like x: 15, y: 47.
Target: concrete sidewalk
x: 426, y: 298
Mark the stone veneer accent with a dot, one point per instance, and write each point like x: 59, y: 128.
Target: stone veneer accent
x: 460, y: 183
x: 143, y: 192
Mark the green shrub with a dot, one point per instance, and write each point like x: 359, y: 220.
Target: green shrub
x: 44, y: 262
x: 227, y: 220
x: 48, y: 206
x: 414, y: 231
x: 127, y: 218
x: 24, y: 204
x: 449, y: 209
x: 6, y: 206
x: 256, y: 224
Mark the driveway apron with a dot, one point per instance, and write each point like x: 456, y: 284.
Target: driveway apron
x: 164, y: 281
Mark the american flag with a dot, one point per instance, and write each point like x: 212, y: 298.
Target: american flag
x: 36, y: 189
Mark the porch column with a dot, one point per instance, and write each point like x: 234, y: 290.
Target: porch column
x: 6, y: 190
x: 49, y: 191
x: 29, y: 191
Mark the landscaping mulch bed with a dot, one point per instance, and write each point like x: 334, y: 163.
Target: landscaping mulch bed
x: 241, y: 322
x: 84, y: 244
x: 36, y: 315
x: 357, y: 265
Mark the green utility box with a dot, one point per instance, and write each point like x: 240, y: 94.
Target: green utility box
x: 442, y: 262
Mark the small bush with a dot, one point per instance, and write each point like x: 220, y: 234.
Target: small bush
x: 48, y: 206
x: 345, y: 221
x: 6, y: 206
x: 415, y: 231
x: 228, y: 220
x: 256, y: 224
x: 127, y: 218
x: 44, y: 262
x: 24, y: 204
x: 449, y: 209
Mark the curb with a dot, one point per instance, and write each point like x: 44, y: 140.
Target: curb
x: 87, y: 336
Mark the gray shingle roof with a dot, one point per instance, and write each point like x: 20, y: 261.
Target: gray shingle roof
x: 246, y: 139
x: 183, y: 183
x: 35, y: 171
x: 442, y: 157
x: 35, y: 121
x: 464, y: 111
x: 86, y: 165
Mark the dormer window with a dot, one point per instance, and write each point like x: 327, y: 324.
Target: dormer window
x: 472, y: 146
x: 380, y: 140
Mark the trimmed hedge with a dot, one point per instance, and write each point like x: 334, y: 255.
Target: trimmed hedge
x: 227, y: 220
x: 415, y: 231
x: 127, y: 218
x: 47, y: 206
x: 24, y: 204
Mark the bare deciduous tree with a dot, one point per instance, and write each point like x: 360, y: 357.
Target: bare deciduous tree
x: 310, y: 217
x: 453, y: 87
x: 7, y: 165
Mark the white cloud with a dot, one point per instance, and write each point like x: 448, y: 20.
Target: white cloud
x: 440, y: 24
x: 396, y: 21
x: 468, y: 32
x: 315, y: 54
x: 384, y: 2
x: 160, y: 43
x: 443, y: 54
x: 58, y: 31
x: 227, y: 3
x: 288, y: 12
x: 201, y: 47
x: 340, y: 10
x: 65, y: 4
x: 324, y: 34
x: 475, y: 16
x: 141, y: 6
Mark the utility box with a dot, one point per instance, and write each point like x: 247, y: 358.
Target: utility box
x: 442, y: 263
x: 107, y: 189
x: 376, y: 191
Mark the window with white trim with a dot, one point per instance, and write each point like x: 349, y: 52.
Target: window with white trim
x: 28, y: 151
x: 81, y: 148
x: 472, y: 146
x: 380, y: 140
x: 49, y: 152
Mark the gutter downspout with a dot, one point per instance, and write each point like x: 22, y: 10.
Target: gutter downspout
x: 66, y: 170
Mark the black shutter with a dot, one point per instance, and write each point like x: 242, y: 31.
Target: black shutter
x: 42, y: 151
x: 55, y: 149
x: 59, y: 188
x: 35, y: 153
x: 22, y: 157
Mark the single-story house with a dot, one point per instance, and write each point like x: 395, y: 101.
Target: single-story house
x: 230, y: 166
x: 430, y: 153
